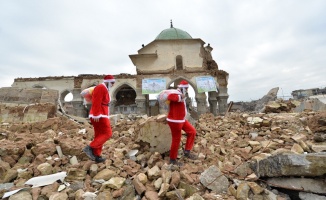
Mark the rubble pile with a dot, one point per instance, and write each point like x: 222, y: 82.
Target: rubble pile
x: 317, y: 124
x: 273, y: 106
x: 281, y: 106
x: 241, y: 156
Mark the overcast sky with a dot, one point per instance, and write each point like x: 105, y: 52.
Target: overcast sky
x: 261, y: 44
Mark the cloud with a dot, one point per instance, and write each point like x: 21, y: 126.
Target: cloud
x: 261, y: 44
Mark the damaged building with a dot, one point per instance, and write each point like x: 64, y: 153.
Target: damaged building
x: 302, y: 94
x: 172, y: 56
x: 240, y: 155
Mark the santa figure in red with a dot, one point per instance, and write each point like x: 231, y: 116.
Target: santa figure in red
x: 177, y: 121
x: 99, y: 116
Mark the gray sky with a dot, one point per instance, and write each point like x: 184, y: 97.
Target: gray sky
x: 261, y: 44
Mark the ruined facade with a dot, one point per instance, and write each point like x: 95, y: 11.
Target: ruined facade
x: 302, y: 94
x: 174, y: 55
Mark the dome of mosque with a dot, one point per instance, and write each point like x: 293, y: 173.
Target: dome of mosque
x: 172, y: 34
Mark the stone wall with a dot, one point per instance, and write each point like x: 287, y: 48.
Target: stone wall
x: 74, y: 85
x: 313, y: 103
x: 27, y: 105
x: 28, y: 95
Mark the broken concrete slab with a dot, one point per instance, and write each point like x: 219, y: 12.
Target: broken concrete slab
x: 46, y: 180
x: 309, y: 196
x: 311, y: 165
x: 213, y: 179
x: 156, y: 133
x: 317, y: 186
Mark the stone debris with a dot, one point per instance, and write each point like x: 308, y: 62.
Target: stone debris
x: 241, y: 156
x: 310, y: 165
x: 269, y: 103
x: 317, y: 186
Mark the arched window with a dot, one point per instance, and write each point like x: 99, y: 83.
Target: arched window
x: 178, y: 61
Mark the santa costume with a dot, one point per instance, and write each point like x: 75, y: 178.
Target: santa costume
x: 99, y: 116
x: 177, y: 121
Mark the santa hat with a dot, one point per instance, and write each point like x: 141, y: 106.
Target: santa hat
x: 183, y: 84
x: 109, y: 79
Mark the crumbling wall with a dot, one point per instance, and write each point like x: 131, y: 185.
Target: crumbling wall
x: 27, y: 105
x: 15, y: 95
x: 27, y: 113
x: 257, y: 105
x: 313, y: 103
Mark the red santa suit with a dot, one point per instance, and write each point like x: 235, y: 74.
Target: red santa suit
x: 177, y: 121
x: 100, y: 110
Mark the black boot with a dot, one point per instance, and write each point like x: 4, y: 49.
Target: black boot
x: 190, y: 155
x: 99, y: 159
x: 175, y: 162
x: 89, y: 152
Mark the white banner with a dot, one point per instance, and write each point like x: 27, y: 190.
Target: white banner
x: 206, y: 84
x: 153, y: 85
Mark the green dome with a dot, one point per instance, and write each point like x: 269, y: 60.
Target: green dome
x: 172, y: 34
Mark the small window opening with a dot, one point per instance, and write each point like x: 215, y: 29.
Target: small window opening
x: 179, y: 62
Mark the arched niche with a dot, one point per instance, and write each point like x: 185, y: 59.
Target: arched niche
x: 179, y: 62
x: 65, y: 99
x: 124, y: 99
x: 192, y: 94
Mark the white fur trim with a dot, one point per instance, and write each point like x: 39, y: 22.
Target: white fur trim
x: 176, y: 121
x: 109, y: 81
x: 183, y: 86
x: 98, y: 116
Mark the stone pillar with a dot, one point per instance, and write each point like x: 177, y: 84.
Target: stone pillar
x: 222, y: 104
x: 112, y: 106
x: 141, y: 106
x: 212, y: 99
x: 141, y: 102
x: 188, y: 102
x: 78, y: 103
x: 222, y: 100
x: 201, y: 103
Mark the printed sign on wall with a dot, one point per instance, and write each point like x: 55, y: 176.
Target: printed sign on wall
x: 206, y: 84
x: 153, y: 85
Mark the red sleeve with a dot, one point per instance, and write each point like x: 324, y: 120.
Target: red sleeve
x: 174, y: 97
x: 97, y: 99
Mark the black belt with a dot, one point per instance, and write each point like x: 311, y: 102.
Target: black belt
x: 105, y: 104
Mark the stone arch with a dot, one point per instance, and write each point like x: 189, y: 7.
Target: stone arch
x: 123, y: 99
x: 63, y: 95
x: 178, y: 79
x: 67, y: 106
x: 189, y: 101
x: 119, y: 86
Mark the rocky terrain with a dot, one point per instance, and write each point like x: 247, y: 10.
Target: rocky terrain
x: 241, y: 156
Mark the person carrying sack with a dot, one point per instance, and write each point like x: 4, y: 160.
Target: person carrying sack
x: 99, y: 116
x: 177, y: 121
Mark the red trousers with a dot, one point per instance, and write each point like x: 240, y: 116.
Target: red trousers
x: 176, y: 137
x: 103, y: 132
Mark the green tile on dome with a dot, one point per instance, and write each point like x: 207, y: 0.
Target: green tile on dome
x: 172, y: 34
